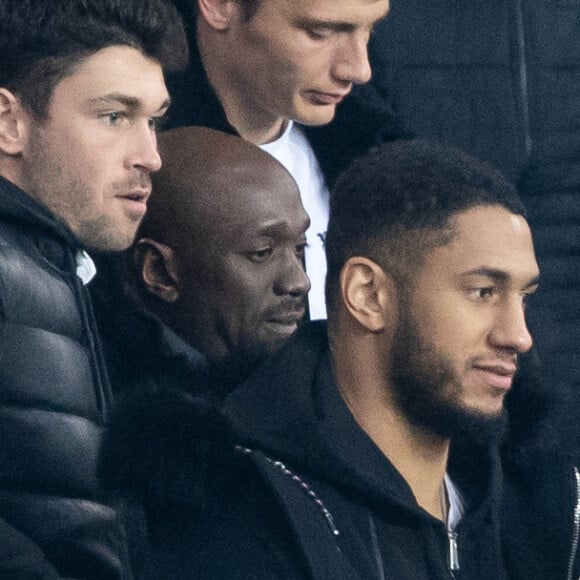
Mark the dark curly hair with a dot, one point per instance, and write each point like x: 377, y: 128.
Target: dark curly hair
x: 397, y: 201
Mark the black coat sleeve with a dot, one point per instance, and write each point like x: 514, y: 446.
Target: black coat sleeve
x: 22, y: 559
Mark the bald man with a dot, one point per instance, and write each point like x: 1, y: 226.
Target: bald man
x: 219, y: 255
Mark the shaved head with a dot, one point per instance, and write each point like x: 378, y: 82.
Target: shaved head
x: 202, y: 170
x: 219, y: 253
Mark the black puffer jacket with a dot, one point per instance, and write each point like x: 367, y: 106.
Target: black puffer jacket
x: 501, y: 80
x: 307, y: 495
x: 54, y: 402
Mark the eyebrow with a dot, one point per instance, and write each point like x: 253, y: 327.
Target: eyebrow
x: 337, y: 26
x: 281, y: 229
x: 500, y: 276
x: 132, y: 103
x: 327, y: 24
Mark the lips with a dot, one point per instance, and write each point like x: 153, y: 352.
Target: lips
x: 135, y: 202
x: 139, y: 195
x: 498, y: 375
x: 288, y: 319
x: 286, y: 322
x: 322, y: 98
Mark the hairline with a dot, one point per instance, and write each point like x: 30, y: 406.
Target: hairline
x: 404, y: 263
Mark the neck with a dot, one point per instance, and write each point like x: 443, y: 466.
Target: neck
x: 253, y: 123
x: 418, y: 455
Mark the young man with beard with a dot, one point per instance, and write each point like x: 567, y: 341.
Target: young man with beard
x: 288, y: 75
x: 81, y: 91
x: 217, y: 262
x: 370, y: 447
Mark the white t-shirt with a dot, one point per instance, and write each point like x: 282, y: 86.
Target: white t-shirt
x: 293, y: 151
x: 456, y: 504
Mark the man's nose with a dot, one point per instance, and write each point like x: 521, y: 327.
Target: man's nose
x: 352, y: 59
x: 511, y: 330
x: 144, y: 153
x: 292, y: 278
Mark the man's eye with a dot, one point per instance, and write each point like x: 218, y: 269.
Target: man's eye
x: 318, y: 33
x: 483, y: 294
x: 259, y: 256
x: 526, y: 297
x: 301, y: 249
x: 113, y: 119
x: 157, y: 123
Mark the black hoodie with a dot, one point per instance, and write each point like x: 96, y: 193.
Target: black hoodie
x: 306, y: 493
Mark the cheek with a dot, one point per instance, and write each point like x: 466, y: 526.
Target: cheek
x: 288, y: 61
x: 447, y: 324
x: 88, y: 163
x: 240, y: 287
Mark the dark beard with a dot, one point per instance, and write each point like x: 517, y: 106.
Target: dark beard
x: 429, y: 393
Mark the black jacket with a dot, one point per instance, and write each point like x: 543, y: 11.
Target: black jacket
x: 306, y: 494
x: 54, y: 402
x: 501, y: 80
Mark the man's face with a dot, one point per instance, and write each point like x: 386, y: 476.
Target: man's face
x: 90, y: 161
x: 462, y: 325
x: 297, y: 59
x: 242, y: 284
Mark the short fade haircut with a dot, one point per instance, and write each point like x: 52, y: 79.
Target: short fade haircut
x: 398, y: 201
x: 189, y: 9
x: 41, y: 42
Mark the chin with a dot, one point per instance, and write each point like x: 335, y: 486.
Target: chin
x: 492, y: 408
x: 477, y: 425
x: 317, y: 118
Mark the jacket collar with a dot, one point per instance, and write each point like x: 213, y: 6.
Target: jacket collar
x: 19, y: 208
x: 291, y: 410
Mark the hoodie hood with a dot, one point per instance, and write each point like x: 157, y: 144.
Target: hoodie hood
x: 291, y: 411
x: 164, y: 443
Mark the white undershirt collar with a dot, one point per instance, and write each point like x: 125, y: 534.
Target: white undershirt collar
x: 86, y: 269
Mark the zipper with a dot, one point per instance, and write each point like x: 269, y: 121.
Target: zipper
x: 576, y: 532
x: 376, y: 549
x: 523, y: 78
x: 453, y: 554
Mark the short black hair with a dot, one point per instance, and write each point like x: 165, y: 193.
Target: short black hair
x: 397, y: 202
x: 189, y: 8
x: 41, y: 41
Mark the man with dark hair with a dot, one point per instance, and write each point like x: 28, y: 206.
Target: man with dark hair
x: 501, y: 80
x: 370, y: 447
x: 81, y: 92
x: 218, y: 258
x: 277, y: 72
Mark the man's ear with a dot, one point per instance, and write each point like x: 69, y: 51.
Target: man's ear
x: 14, y: 123
x: 157, y: 269
x: 368, y: 293
x: 218, y: 13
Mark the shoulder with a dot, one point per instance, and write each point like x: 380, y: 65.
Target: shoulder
x: 540, y: 499
x: 241, y: 533
x: 211, y: 514
x: 19, y: 555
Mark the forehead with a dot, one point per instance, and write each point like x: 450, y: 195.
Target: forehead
x: 357, y: 12
x: 115, y: 70
x: 250, y: 204
x: 486, y: 237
